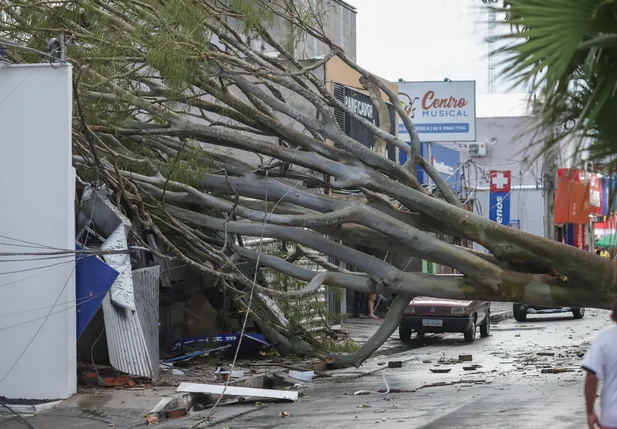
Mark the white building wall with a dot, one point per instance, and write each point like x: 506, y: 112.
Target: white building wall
x: 37, y: 189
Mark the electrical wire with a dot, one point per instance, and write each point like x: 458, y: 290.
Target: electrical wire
x: 35, y: 275
x: 368, y: 392
x: 78, y: 302
x: 30, y: 243
x: 42, y: 258
x: 19, y: 416
x: 91, y: 252
x: 250, y: 301
x: 35, y: 268
x: 53, y: 313
x: 98, y: 376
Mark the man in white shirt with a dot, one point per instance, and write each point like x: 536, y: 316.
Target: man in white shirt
x: 600, y: 363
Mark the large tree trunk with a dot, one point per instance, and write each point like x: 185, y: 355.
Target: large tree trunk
x: 168, y: 109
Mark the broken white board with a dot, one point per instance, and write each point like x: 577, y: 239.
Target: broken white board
x: 215, y: 389
x: 122, y: 290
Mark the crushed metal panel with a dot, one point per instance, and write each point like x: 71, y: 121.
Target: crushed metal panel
x: 129, y: 339
x: 146, y: 287
x: 103, y: 213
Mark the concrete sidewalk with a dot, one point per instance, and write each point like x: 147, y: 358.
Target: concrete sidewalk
x: 360, y: 330
x: 96, y: 409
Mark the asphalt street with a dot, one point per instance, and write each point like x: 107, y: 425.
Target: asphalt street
x: 508, y: 390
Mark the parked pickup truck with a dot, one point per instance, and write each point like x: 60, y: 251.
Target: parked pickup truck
x: 434, y: 315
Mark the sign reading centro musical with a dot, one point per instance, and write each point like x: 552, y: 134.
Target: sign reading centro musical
x: 441, y: 111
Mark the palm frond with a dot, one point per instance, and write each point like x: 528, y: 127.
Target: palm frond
x: 566, y: 52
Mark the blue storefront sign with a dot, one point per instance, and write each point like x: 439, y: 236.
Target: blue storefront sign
x: 499, y: 199
x: 500, y: 207
x: 444, y: 159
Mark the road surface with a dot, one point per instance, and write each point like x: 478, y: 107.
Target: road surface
x: 508, y: 391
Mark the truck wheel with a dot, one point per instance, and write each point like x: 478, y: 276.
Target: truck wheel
x: 485, y: 328
x: 404, y: 334
x: 520, y: 312
x: 578, y: 313
x: 470, y: 334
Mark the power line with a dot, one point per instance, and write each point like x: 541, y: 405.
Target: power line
x: 77, y: 302
x: 35, y: 268
x: 93, y: 251
x: 52, y: 313
x: 19, y: 416
x: 30, y: 243
x: 35, y: 275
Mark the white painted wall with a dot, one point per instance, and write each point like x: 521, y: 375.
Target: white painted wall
x: 37, y: 189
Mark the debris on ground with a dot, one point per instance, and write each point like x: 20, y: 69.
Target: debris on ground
x: 395, y: 364
x: 444, y: 361
x: 150, y: 420
x: 545, y: 354
x: 197, y: 407
x: 184, y: 357
x: 472, y: 367
x: 440, y: 370
x: 556, y: 370
x: 176, y: 413
x: 99, y: 377
x: 452, y: 383
x: 465, y: 358
x: 215, y: 389
x: 284, y: 414
x: 302, y: 375
x: 226, y: 375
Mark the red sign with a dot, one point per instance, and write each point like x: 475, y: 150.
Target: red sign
x: 579, y: 236
x: 501, y: 181
x: 572, y: 197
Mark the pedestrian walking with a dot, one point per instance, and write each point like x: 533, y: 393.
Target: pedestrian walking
x: 600, y: 363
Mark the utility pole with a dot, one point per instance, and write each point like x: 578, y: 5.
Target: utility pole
x: 549, y: 180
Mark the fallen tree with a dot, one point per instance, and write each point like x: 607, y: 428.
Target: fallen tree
x: 169, y: 94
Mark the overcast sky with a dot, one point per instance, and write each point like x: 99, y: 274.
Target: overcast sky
x: 424, y: 40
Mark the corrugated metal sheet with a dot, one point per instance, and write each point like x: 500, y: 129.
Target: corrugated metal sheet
x: 146, y: 286
x: 125, y: 340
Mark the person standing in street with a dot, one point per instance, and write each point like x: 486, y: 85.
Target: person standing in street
x: 600, y: 363
x: 371, y: 306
